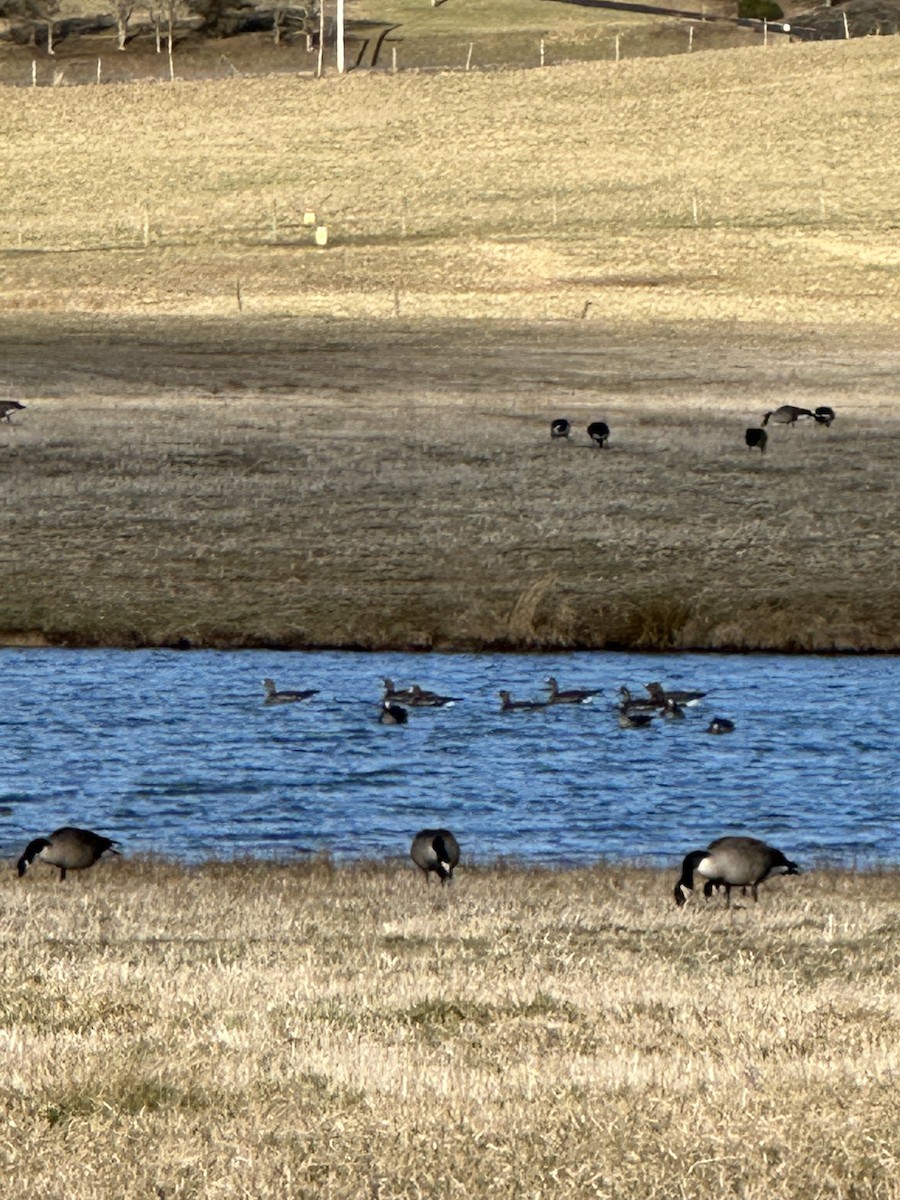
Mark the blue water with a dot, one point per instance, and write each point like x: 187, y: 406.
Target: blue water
x: 176, y: 753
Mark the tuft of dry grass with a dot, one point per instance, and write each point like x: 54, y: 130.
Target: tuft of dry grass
x: 252, y: 1029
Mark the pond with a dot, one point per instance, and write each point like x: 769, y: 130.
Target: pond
x: 176, y: 753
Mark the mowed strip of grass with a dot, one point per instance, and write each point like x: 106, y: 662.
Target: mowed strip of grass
x: 251, y: 1029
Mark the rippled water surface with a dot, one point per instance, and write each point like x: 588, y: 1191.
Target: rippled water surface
x: 176, y: 753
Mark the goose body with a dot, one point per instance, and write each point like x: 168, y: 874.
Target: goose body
x: 273, y: 696
x: 824, y: 415
x: 634, y: 720
x: 732, y: 862
x: 659, y: 695
x: 435, y: 850
x: 68, y: 848
x: 757, y: 439
x: 392, y: 713
x: 422, y: 699
x: 570, y: 695
x: 560, y: 428
x: 720, y: 725
x: 507, y: 704
x: 788, y: 414
x: 632, y: 704
x: 598, y: 432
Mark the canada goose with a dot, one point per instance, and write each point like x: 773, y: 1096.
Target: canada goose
x: 560, y: 428
x: 788, y: 414
x: 68, y: 848
x: 273, y: 696
x: 571, y: 695
x: 420, y: 699
x: 510, y: 705
x: 733, y: 862
x: 392, y: 714
x: 435, y: 850
x: 598, y: 432
x: 824, y: 415
x: 7, y: 408
x: 672, y: 710
x: 629, y: 719
x: 756, y: 439
x: 720, y: 725
x: 660, y: 695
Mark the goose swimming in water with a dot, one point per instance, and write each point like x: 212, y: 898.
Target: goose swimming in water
x: 68, y: 848
x: 392, y: 714
x: 720, y: 725
x: 570, y: 695
x: 273, y: 696
x: 507, y: 704
x: 659, y: 695
x: 435, y: 850
x: 732, y: 862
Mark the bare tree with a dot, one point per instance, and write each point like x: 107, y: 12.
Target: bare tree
x: 123, y: 11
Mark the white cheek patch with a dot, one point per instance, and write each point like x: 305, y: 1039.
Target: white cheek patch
x: 446, y: 867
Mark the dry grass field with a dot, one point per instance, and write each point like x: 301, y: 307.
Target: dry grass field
x: 262, y: 1031
x: 234, y: 436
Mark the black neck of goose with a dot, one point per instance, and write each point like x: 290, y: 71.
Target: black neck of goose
x: 440, y: 849
x: 31, y: 851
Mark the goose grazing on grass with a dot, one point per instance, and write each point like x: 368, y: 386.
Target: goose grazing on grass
x: 435, y: 850
x: 68, y: 848
x: 720, y: 725
x: 560, y: 428
x: 392, y: 714
x: 659, y: 695
x: 7, y: 408
x: 571, y: 695
x: 273, y: 696
x: 732, y: 862
x: 598, y: 432
x: 507, y: 704
x: 824, y: 415
x: 788, y: 414
x: 757, y: 439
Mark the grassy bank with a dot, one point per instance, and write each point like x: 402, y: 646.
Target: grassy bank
x: 235, y: 437
x: 263, y: 1030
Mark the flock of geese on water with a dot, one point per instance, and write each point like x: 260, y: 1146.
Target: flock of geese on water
x: 726, y: 863
x: 756, y: 437
x: 634, y: 712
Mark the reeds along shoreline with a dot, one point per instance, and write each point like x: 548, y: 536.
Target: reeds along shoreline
x: 263, y: 1029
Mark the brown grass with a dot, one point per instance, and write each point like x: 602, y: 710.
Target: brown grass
x: 358, y: 455
x: 265, y: 1030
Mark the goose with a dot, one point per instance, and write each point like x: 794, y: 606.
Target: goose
x: 672, y: 710
x: 509, y: 705
x: 598, y: 432
x: 788, y: 414
x: 7, y: 408
x: 68, y: 848
x: 420, y: 699
x: 560, y: 428
x: 756, y: 439
x: 273, y: 696
x: 392, y: 714
x: 660, y: 695
x: 720, y: 725
x: 435, y: 850
x: 634, y: 720
x: 824, y: 415
x: 733, y: 862
x: 570, y: 696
